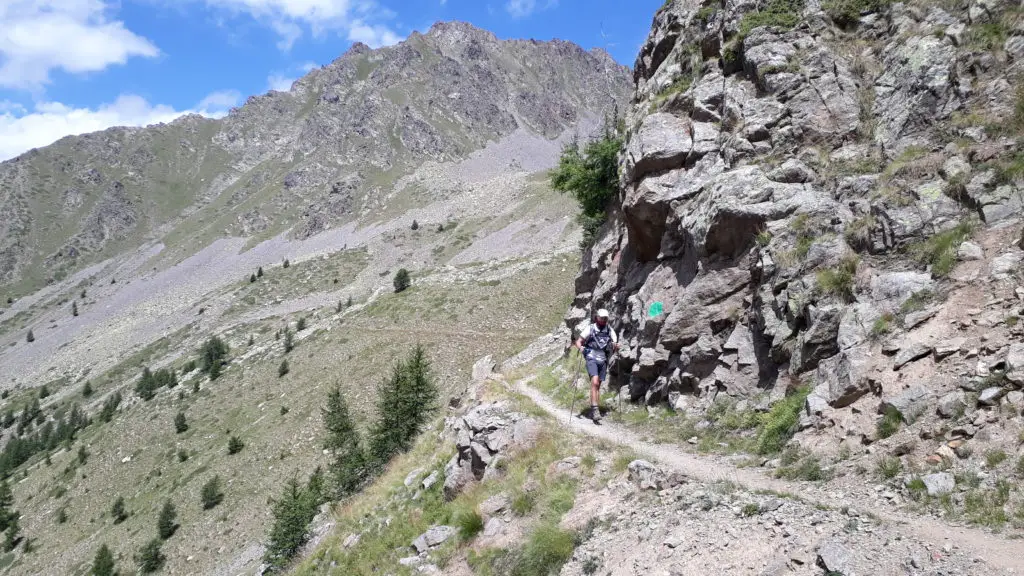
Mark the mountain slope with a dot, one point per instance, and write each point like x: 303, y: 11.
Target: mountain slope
x: 303, y: 160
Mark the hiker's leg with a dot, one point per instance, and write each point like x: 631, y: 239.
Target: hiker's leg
x: 595, y: 390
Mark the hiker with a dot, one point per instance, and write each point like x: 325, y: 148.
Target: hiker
x: 595, y: 343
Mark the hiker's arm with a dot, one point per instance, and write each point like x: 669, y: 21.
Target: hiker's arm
x: 579, y: 344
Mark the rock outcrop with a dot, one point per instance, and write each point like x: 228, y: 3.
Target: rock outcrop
x: 485, y: 435
x: 793, y: 186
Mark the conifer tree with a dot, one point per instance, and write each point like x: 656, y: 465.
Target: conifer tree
x: 30, y: 337
x: 252, y: 278
x: 283, y: 369
x: 415, y: 225
x: 404, y: 403
x: 117, y: 511
x: 103, y: 564
x: 211, y: 494
x: 180, y: 424
x: 212, y: 356
x: 259, y: 273
x: 235, y: 445
x: 86, y: 389
x: 12, y: 534
x: 43, y: 392
x: 7, y: 513
x: 292, y: 514
x: 348, y: 466
x: 151, y: 558
x: 287, y: 263
x: 166, y: 524
x: 301, y: 324
x: 348, y: 304
x: 74, y: 308
x: 289, y: 342
x: 402, y: 280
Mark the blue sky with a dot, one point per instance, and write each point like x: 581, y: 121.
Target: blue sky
x: 74, y: 66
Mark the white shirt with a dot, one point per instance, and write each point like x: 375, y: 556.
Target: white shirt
x: 586, y: 334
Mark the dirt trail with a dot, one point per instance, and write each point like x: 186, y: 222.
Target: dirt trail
x: 997, y: 552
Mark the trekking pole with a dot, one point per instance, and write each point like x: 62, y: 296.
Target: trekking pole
x: 572, y: 406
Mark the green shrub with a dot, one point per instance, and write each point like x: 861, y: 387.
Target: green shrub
x: 235, y: 445
x: 889, y: 467
x: 405, y: 401
x: 30, y: 337
x: 117, y: 511
x: 591, y: 174
x: 301, y: 324
x: 86, y: 390
x: 750, y: 509
x: 882, y: 326
x: 890, y: 422
x: 780, y: 422
x: 839, y: 281
x: 292, y: 514
x: 180, y: 424
x: 182, y: 455
x: 283, y: 369
x: 544, y: 553
x: 522, y: 503
x: 807, y: 468
x: 783, y: 14
x: 151, y: 558
x: 212, y: 357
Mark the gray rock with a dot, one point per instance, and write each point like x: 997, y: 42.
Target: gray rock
x: 819, y: 341
x: 742, y: 342
x: 910, y: 353
x: 990, y: 396
x: 954, y: 167
x: 1006, y: 265
x: 410, y: 561
x: 792, y: 171
x: 483, y: 368
x: 662, y: 143
x: 645, y: 475
x: 351, y: 540
x: 457, y: 475
x: 494, y: 505
x: 949, y: 347
x: 910, y: 403
x: 915, y: 319
x: 970, y: 251
x: 939, y: 483
x: 844, y: 378
x: 432, y: 538
x: 494, y: 527
x: 412, y: 477
x: 898, y: 286
x: 430, y: 480
x: 833, y: 557
x: 1014, y: 398
x: 1015, y: 363
x: 952, y: 404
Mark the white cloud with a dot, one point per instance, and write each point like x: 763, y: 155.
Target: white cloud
x: 51, y: 121
x: 39, y: 36
x: 524, y: 8
x: 357, y: 20
x: 279, y: 82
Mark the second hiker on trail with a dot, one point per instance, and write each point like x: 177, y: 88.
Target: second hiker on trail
x: 596, y: 342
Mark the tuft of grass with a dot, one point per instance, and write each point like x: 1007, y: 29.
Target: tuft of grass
x: 544, y: 553
x: 621, y: 462
x: 890, y: 423
x: 750, y: 509
x: 1019, y: 468
x: 994, y: 457
x: 940, y: 250
x: 917, y: 488
x: 882, y: 326
x: 858, y: 232
x: 846, y: 13
x: 807, y: 468
x: 779, y: 424
x: 469, y: 523
x: 783, y: 14
x: 838, y: 281
x: 522, y: 503
x: 889, y: 467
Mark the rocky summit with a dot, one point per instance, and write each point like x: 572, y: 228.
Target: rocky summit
x: 331, y: 333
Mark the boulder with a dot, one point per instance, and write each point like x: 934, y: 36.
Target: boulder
x: 433, y: 538
x: 910, y: 404
x: 457, y: 475
x: 939, y: 483
x: 834, y: 558
x: 741, y: 341
x: 970, y: 251
x: 990, y: 396
x: 819, y: 341
x: 792, y: 171
x: 494, y: 505
x: 952, y: 404
x: 949, y: 347
x: 429, y: 481
x: 483, y: 368
x: 645, y: 475
x: 661, y: 143
x: 493, y: 527
x: 1015, y: 363
x: 1006, y: 265
x: 844, y: 378
x: 915, y: 319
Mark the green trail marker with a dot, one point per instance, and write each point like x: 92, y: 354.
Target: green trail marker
x: 656, y: 309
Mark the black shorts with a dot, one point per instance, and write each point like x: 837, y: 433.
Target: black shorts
x: 595, y: 368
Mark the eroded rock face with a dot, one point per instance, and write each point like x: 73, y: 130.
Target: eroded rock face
x: 758, y: 174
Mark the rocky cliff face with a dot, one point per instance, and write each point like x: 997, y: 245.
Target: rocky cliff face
x: 329, y: 150
x: 795, y: 193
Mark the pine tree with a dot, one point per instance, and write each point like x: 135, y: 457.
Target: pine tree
x: 402, y: 280
x: 252, y: 278
x: 300, y: 325
x: 259, y: 273
x: 251, y: 341
x: 348, y: 467
x: 292, y: 514
x: 440, y: 227
x: 62, y: 515
x: 415, y: 225
x: 86, y: 389
x: 405, y: 401
x: 43, y: 392
x: 283, y: 369
x: 103, y: 564
x: 287, y: 263
x: 30, y: 337
x: 339, y: 307
x: 235, y: 445
x: 7, y: 514
x: 151, y: 558
x: 110, y: 407
x: 289, y: 342
x: 211, y: 495
x: 348, y: 304
x: 117, y: 511
x: 83, y: 294
x: 180, y: 424
x: 12, y: 534
x: 83, y: 456
x: 165, y: 524
x: 74, y: 308
x: 145, y: 388
x: 212, y: 356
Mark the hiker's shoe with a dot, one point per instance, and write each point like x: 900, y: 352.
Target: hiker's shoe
x: 595, y: 414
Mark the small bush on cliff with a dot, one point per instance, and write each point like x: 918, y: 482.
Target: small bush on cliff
x: 591, y: 175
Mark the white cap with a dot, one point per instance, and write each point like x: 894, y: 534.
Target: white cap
x: 602, y: 313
